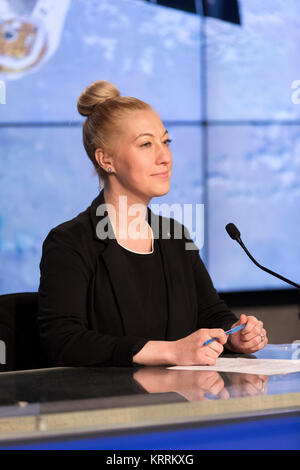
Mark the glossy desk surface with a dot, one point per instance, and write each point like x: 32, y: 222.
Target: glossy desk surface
x: 70, y: 401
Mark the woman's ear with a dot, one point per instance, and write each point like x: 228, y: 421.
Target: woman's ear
x: 104, y: 160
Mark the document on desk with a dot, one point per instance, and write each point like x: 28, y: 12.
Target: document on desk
x: 249, y: 366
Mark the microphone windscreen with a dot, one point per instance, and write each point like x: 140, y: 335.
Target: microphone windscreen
x: 233, y: 231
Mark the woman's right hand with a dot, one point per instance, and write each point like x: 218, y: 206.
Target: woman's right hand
x: 190, y: 350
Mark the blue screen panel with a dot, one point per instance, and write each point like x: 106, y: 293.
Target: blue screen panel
x: 253, y: 181
x: 148, y: 51
x: 45, y: 179
x: 251, y: 67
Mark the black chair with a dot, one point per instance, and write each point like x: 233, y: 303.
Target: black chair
x: 19, y: 336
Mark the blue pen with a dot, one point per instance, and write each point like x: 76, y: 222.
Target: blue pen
x: 229, y: 332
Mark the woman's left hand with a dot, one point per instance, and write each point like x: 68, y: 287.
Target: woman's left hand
x: 252, y: 338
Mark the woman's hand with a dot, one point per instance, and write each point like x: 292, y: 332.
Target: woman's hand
x: 190, y: 350
x: 252, y: 338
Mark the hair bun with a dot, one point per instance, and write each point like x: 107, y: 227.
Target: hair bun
x: 94, y: 94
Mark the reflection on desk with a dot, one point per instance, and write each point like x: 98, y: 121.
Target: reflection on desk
x: 61, y: 400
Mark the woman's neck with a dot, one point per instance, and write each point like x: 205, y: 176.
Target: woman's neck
x: 127, y: 214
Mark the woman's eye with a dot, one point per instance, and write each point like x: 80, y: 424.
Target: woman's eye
x: 148, y: 144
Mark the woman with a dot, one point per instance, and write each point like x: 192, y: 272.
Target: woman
x: 121, y: 289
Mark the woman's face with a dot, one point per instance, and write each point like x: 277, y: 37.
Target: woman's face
x: 143, y: 159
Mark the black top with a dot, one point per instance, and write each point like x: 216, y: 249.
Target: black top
x: 145, y: 272
x: 90, y: 309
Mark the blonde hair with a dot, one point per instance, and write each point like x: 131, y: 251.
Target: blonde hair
x: 103, y: 106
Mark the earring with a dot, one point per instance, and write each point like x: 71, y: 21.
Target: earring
x: 109, y: 170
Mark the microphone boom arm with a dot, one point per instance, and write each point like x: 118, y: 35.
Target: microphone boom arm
x: 266, y: 269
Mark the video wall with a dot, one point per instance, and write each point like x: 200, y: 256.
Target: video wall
x: 223, y: 90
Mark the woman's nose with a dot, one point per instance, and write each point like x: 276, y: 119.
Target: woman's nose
x: 164, y: 154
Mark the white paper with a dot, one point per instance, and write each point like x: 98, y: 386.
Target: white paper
x: 249, y: 366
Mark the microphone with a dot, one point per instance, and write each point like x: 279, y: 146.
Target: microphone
x: 234, y: 233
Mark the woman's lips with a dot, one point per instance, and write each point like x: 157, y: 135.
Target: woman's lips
x: 162, y: 175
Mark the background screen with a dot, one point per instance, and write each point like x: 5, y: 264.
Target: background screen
x: 223, y: 89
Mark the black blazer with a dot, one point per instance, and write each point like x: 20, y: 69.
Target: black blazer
x: 88, y: 311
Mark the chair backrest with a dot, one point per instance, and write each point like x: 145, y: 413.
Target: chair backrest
x: 19, y: 336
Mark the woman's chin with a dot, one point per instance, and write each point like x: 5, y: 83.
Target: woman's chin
x: 161, y: 190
